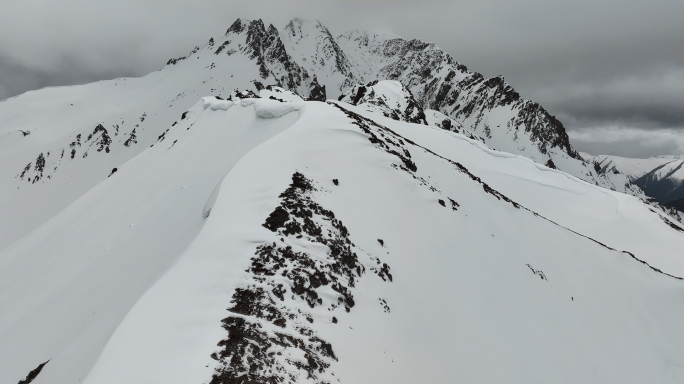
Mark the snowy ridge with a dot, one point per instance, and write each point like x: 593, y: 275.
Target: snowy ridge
x: 131, y: 227
x: 305, y: 58
x: 305, y: 323
x: 251, y: 233
x: 392, y: 100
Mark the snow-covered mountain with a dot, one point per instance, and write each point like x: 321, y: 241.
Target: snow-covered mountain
x: 286, y: 206
x: 660, y: 177
x: 633, y: 168
x: 664, y: 183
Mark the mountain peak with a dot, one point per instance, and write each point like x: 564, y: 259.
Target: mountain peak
x: 170, y: 229
x: 238, y: 26
x: 299, y: 26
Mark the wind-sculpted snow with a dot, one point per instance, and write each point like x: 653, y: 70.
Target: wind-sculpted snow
x: 301, y: 220
x: 70, y: 282
x: 214, y: 221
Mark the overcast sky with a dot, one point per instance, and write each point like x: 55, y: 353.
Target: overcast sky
x: 611, y: 70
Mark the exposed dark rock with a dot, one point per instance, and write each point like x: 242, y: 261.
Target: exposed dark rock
x: 33, y: 374
x: 383, y: 138
x: 249, y: 353
x: 26, y: 169
x: 258, y: 85
x: 317, y: 91
x: 104, y: 140
x: 132, y: 139
x: 538, y: 273
x: 676, y: 204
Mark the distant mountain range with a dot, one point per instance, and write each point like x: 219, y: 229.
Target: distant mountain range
x: 660, y: 177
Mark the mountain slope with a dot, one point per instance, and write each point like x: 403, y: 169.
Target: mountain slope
x: 71, y: 281
x: 664, y: 183
x: 359, y: 247
x: 424, y: 276
x: 631, y: 167
x: 90, y: 129
x: 257, y: 236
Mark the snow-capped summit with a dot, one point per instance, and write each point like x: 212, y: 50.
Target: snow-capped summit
x: 316, y: 50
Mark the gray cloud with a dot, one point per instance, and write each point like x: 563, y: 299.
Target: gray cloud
x: 602, y: 66
x: 627, y: 142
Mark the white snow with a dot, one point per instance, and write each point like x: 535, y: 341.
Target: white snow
x: 632, y: 167
x: 124, y: 277
x: 462, y: 298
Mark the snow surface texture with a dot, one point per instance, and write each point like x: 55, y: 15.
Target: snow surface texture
x: 160, y: 235
x: 346, y: 246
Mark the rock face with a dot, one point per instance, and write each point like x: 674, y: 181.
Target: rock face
x: 489, y: 107
x: 305, y: 57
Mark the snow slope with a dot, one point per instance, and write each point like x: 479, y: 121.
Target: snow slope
x: 468, y: 284
x: 66, y: 286
x: 361, y: 240
x: 350, y: 248
x: 52, y: 134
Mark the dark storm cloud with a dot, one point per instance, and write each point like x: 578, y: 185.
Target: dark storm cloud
x: 601, y: 65
x: 627, y: 142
